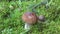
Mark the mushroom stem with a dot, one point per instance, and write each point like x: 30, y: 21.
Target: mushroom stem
x: 27, y: 26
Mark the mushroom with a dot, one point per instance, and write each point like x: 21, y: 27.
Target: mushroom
x: 41, y: 18
x: 30, y: 18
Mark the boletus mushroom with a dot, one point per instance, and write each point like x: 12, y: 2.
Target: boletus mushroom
x: 29, y: 18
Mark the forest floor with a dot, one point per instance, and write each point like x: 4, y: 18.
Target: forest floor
x: 11, y: 17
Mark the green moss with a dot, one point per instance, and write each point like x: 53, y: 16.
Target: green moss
x: 12, y: 23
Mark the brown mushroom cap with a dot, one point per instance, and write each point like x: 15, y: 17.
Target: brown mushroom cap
x: 29, y: 17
